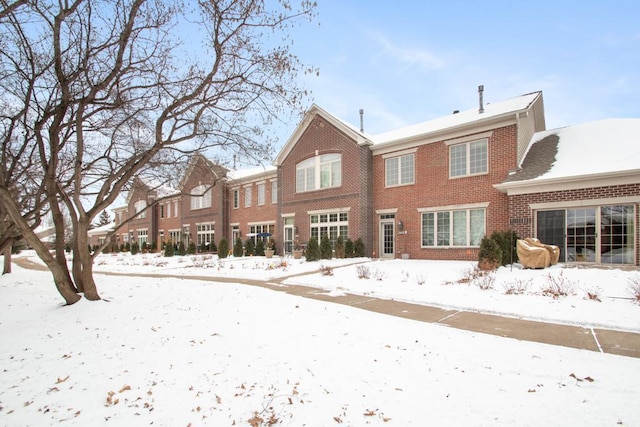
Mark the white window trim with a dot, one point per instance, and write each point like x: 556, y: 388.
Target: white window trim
x: 467, y: 144
x: 261, y: 195
x: 451, y: 231
x: 398, y: 158
x: 317, y: 172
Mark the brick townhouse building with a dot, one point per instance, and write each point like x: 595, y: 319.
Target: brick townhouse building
x: 427, y: 191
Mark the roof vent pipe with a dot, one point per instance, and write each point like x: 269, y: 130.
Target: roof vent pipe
x: 480, y: 92
x: 361, y: 120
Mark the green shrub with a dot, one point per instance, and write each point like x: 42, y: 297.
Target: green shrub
x: 339, y: 247
x: 348, y: 248
x: 490, y: 254
x: 506, y: 241
x: 213, y: 247
x: 325, y: 247
x: 182, y: 251
x: 358, y: 248
x: 223, y: 248
x: 312, y: 253
x: 134, y: 248
x: 249, y: 247
x: 169, y: 249
x: 192, y: 248
x: 237, y: 248
x: 259, y: 248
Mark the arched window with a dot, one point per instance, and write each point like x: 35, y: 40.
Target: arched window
x: 140, y: 206
x: 200, y: 197
x: 319, y: 172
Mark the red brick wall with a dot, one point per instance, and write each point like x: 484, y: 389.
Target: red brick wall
x: 320, y: 138
x: 433, y: 188
x: 242, y: 215
x: 202, y: 173
x: 519, y: 205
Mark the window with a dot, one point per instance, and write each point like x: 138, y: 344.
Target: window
x: 174, y: 236
x: 319, y: 172
x: 169, y: 210
x: 140, y: 206
x: 205, y: 235
x: 256, y: 229
x: 464, y: 227
x: 332, y: 224
x: 399, y: 170
x: 175, y: 209
x: 236, y: 199
x: 274, y: 192
x: 247, y: 196
x: 470, y: 158
x: 142, y: 238
x: 261, y: 194
x: 200, y: 197
x: 162, y: 211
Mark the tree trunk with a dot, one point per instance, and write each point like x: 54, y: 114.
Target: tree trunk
x: 83, y: 272
x: 7, y: 260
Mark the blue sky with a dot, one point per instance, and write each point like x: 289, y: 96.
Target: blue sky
x: 410, y: 61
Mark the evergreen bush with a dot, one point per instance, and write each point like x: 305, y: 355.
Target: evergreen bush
x: 237, y: 248
x: 325, y: 247
x: 348, y: 248
x: 191, y: 249
x: 506, y: 241
x: 260, y: 248
x: 249, y: 247
x: 223, y: 248
x: 182, y: 251
x: 338, y: 249
x: 312, y: 253
x: 169, y: 249
x: 490, y: 254
x: 358, y: 248
x: 134, y: 248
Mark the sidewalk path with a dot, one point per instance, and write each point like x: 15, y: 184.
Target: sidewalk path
x: 594, y: 339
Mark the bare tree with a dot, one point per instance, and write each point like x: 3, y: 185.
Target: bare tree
x: 98, y: 92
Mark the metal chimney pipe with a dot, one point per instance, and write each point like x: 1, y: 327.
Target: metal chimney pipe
x: 480, y: 93
x: 361, y: 120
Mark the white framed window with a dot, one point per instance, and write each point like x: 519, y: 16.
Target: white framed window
x: 469, y: 158
x: 261, y: 193
x: 236, y: 199
x: 143, y: 236
x: 168, y: 209
x: 319, y: 172
x: 175, y: 209
x: 200, y: 197
x: 333, y: 224
x: 140, y: 206
x: 205, y: 234
x: 399, y: 170
x: 462, y: 227
x: 274, y: 192
x: 248, y: 193
x: 174, y: 236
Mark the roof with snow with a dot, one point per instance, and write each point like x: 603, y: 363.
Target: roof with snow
x: 244, y: 173
x: 467, y: 117
x: 600, y: 147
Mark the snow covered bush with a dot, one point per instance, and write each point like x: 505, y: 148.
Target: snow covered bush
x: 634, y: 288
x: 557, y: 285
x: 518, y: 287
x: 363, y: 271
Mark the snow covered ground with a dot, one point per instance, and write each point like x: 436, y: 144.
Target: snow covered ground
x: 174, y: 351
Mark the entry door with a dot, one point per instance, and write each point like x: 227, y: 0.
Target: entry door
x: 387, y: 239
x: 288, y: 238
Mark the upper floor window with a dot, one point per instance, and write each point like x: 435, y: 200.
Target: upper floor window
x: 261, y: 194
x: 274, y: 192
x: 469, y: 158
x: 319, y: 172
x: 236, y: 199
x: 140, y: 206
x: 200, y: 197
x: 399, y: 170
x: 247, y: 196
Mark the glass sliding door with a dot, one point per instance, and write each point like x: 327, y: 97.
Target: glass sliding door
x: 581, y: 235
x: 617, y: 236
x: 551, y: 230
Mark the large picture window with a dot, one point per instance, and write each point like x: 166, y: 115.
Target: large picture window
x: 200, y: 197
x: 332, y: 224
x: 399, y: 170
x: 463, y: 227
x: 205, y: 235
x: 319, y: 172
x: 469, y: 158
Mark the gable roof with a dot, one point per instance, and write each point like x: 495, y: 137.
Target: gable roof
x: 350, y: 130
x: 594, y: 150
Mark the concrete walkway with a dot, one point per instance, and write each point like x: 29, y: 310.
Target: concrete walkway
x: 594, y: 339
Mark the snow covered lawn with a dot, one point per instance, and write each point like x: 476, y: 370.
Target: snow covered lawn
x: 172, y: 351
